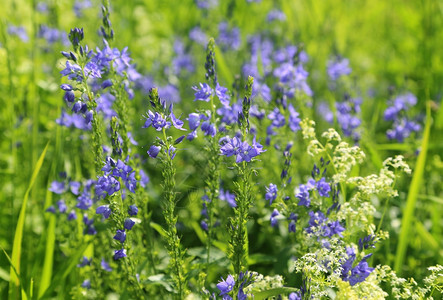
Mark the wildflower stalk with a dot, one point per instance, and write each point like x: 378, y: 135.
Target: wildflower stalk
x: 96, y: 132
x: 213, y: 150
x: 122, y: 111
x: 173, y: 240
x: 239, y: 235
x: 119, y: 92
x: 165, y: 145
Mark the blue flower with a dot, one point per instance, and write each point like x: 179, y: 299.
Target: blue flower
x: 278, y: 120
x: 105, y: 266
x: 57, y: 187
x: 75, y: 187
x: 51, y: 209
x: 228, y: 39
x: 316, y: 219
x: 303, y: 195
x: 177, y: 123
x: 131, y: 182
x: 204, y: 225
x: 84, y: 262
x: 84, y: 201
x: 133, y: 210
x: 90, y: 229
x: 155, y: 120
x: 73, y: 71
x: 198, y: 36
x: 61, y: 206
x: 226, y: 286
x: 153, y: 151
x: 120, y: 236
x: 128, y: 224
x: 204, y: 93
x: 86, y: 284
x: 209, y: 129
x: 230, y: 147
x: 338, y: 68
x: 271, y: 193
x: 107, y: 184
x: 194, y: 121
x: 72, y: 215
x: 119, y: 254
x: 18, y: 31
x: 402, y: 128
x: 273, y: 219
x: 172, y: 152
x: 275, y: 14
x: 357, y: 274
x: 222, y: 94
x: 367, y: 242
x: 291, y: 226
x: 295, y: 296
x: 107, y: 83
x: 228, y: 197
x: 144, y: 178
x: 323, y: 187
x: 104, y: 210
x: 332, y: 228
x: 294, y: 120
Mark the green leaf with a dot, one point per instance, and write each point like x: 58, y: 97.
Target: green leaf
x: 18, y: 237
x: 159, y: 229
x: 49, y: 257
x: 432, y: 198
x: 4, y: 274
x: 426, y: 237
x: 24, y: 294
x: 161, y: 279
x: 225, y: 73
x: 414, y: 189
x: 259, y: 258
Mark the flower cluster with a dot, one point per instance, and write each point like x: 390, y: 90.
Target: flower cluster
x: 318, y: 225
x: 202, y: 121
x: 227, y: 286
x: 109, y: 183
x: 303, y: 192
x: 278, y: 120
x: 402, y: 127
x: 338, y: 67
x: 242, y: 150
x: 228, y: 38
x: 359, y: 272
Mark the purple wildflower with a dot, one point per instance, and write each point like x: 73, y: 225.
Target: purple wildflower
x: 204, y: 93
x: 271, y: 193
x: 119, y: 254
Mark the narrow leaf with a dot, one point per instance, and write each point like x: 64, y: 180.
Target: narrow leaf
x: 18, y: 237
x: 417, y: 179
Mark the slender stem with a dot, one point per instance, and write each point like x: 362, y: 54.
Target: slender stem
x: 213, y: 183
x: 173, y: 241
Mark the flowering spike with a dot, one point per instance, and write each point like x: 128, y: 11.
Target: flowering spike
x: 211, y: 75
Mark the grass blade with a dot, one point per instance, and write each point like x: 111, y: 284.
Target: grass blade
x: 417, y: 178
x: 49, y: 257
x: 17, y: 246
x: 24, y: 294
x: 65, y: 270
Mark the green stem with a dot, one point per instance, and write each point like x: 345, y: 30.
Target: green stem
x: 173, y: 241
